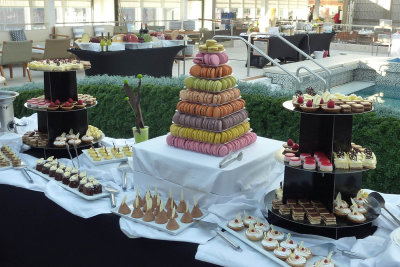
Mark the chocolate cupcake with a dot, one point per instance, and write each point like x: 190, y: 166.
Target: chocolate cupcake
x: 74, y: 178
x: 74, y: 181
x: 46, y: 168
x: 39, y: 164
x: 59, y: 174
x: 74, y: 171
x: 65, y: 178
x: 97, y: 187
x: 52, y: 170
x: 88, y: 189
x: 82, y: 184
x: 82, y: 175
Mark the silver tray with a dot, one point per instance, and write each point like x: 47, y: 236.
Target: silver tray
x: 103, y: 161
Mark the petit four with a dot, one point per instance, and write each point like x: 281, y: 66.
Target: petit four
x: 369, y: 159
x: 172, y: 224
x: 303, y: 156
x: 282, y: 253
x: 276, y: 203
x: 182, y: 205
x: 253, y: 234
x: 298, y: 214
x: 341, y: 160
x: 288, y: 156
x: 247, y: 219
x: 330, y: 107
x: 295, y: 161
x: 74, y: 182
x: 314, y: 217
x: 284, y: 209
x: 303, y: 251
x: 196, y: 212
x: 269, y: 243
x: 346, y: 108
x: 236, y: 224
x: 296, y: 260
x: 288, y: 243
x: 357, y: 108
x: 161, y: 217
x: 340, y: 210
x: 328, y: 219
x: 309, y: 163
x: 261, y: 226
x: 148, y: 215
x: 360, y: 208
x: 187, y: 217
x: 360, y: 199
x: 123, y: 208
x: 275, y: 234
x: 326, y: 166
x: 39, y: 164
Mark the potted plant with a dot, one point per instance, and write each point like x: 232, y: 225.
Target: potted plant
x: 140, y: 132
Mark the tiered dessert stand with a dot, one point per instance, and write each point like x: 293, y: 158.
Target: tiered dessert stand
x: 326, y: 133
x: 60, y: 85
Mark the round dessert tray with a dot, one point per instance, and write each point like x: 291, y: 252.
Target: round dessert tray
x: 212, y: 105
x: 211, y: 92
x: 249, y: 131
x: 216, y: 52
x: 213, y: 79
x: 289, y: 106
x: 345, y: 226
x: 280, y: 158
x: 74, y: 109
x: 210, y: 117
x: 213, y: 66
x: 247, y: 119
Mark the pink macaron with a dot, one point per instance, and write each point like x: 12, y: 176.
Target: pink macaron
x: 214, y: 60
x: 169, y: 140
x: 223, y: 151
x: 223, y: 58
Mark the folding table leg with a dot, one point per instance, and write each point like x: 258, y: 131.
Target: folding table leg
x: 24, y: 67
x: 11, y: 71
x: 2, y: 74
x: 29, y: 75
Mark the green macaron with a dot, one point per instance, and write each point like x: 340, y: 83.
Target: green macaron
x: 189, y: 82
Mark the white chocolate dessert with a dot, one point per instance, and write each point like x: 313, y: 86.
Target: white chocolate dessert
x: 58, y: 65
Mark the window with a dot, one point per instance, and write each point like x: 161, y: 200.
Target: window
x: 73, y: 11
x: 21, y: 14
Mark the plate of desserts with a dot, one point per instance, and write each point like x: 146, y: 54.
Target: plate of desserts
x: 58, y: 65
x: 315, y: 213
x: 327, y: 103
x: 272, y: 242
x: 151, y: 211
x: 8, y: 158
x: 70, y: 178
x: 106, y: 155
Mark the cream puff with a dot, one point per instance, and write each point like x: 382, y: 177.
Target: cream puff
x: 253, y: 234
x: 269, y: 243
x: 247, y: 219
x: 236, y: 224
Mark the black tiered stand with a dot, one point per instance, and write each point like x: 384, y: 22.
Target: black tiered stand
x: 325, y: 133
x: 61, y: 86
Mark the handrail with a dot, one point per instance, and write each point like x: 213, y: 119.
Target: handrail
x: 262, y: 53
x: 300, y: 51
x: 315, y: 74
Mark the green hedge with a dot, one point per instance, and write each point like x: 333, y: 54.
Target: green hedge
x: 267, y: 118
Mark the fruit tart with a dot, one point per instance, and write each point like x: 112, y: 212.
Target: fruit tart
x: 269, y: 243
x: 282, y: 253
x: 275, y: 234
x: 288, y: 243
x: 80, y: 104
x: 330, y: 107
x: 303, y: 251
x: 253, y: 234
x: 67, y: 106
x: 296, y: 260
x: 52, y: 106
x: 309, y: 107
x: 247, y: 219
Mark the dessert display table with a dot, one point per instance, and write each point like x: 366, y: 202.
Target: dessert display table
x: 156, y: 163
x: 155, y: 62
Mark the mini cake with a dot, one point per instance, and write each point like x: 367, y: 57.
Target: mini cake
x: 284, y: 209
x: 123, y: 208
x: 247, y: 219
x: 288, y: 156
x: 65, y: 178
x: 298, y: 214
x: 196, y: 212
x: 369, y: 159
x: 346, y: 108
x: 281, y: 253
x: 263, y: 227
x: 295, y: 161
x: 46, y: 168
x: 98, y: 188
x: 326, y: 166
x: 328, y: 219
x: 59, y: 174
x: 39, y: 164
x: 367, y: 105
x: 269, y: 243
x: 296, y: 260
x: 275, y: 234
x: 359, y: 199
x: 182, y: 205
x: 137, y: 212
x: 330, y: 107
x: 303, y: 251
x: 187, y: 217
x: 162, y: 215
x: 236, y: 224
x: 309, y: 107
x: 341, y: 160
x: 314, y: 217
x: 355, y: 161
x: 172, y: 225
x: 309, y: 163
x: 88, y: 189
x: 303, y: 156
x: 81, y: 184
x: 253, y: 234
x: 148, y: 216
x: 73, y: 181
x: 357, y: 108
x: 52, y: 170
x: 288, y: 243
x: 276, y: 203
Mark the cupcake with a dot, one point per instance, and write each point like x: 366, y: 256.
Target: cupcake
x: 275, y: 234
x: 82, y: 184
x: 52, y: 170
x: 236, y: 224
x: 88, y: 189
x: 59, y: 174
x: 269, y: 243
x: 46, y: 168
x: 247, y: 219
x: 39, y: 164
x: 288, y: 243
x: 97, y: 187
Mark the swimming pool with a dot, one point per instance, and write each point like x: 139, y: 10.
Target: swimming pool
x: 387, y: 96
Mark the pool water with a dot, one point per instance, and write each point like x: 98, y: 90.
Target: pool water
x: 388, y: 96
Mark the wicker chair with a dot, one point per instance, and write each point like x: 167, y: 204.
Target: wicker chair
x: 16, y: 52
x: 54, y: 48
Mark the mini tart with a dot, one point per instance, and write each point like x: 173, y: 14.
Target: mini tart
x: 249, y: 219
x: 282, y: 253
x: 335, y: 109
x: 236, y: 225
x: 60, y: 143
x: 275, y: 234
x: 288, y: 245
x: 87, y: 139
x: 254, y: 234
x: 74, y: 141
x: 309, y: 109
x: 63, y: 107
x: 269, y: 244
x: 263, y: 227
x: 78, y: 106
x: 304, y: 252
x: 361, y: 208
x: 296, y: 260
x: 54, y: 108
x: 356, y: 217
x: 341, y: 211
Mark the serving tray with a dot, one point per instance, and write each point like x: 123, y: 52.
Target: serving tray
x: 103, y: 161
x: 73, y: 190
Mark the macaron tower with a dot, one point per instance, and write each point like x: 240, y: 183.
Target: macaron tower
x: 211, y: 117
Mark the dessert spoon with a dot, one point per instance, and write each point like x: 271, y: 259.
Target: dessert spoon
x: 239, y: 157
x: 69, y: 153
x: 112, y: 192
x: 381, y: 201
